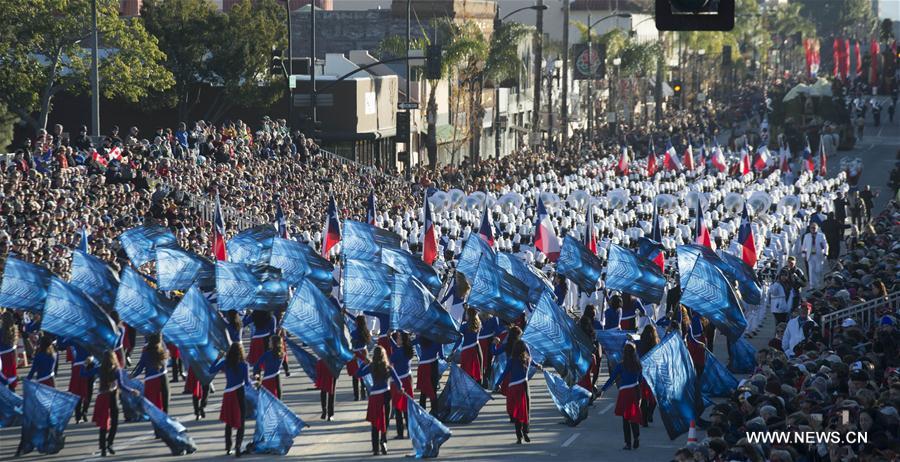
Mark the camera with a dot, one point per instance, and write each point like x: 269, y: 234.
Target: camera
x: 695, y: 15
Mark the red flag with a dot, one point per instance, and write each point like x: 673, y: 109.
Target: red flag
x: 331, y: 232
x: 700, y: 230
x: 745, y: 238
x: 429, y: 237
x: 545, y: 238
x: 858, y: 57
x: 836, y: 55
x: 218, y: 248
x: 761, y: 160
x: 622, y: 167
x: 590, y: 237
x: 744, y: 167
x: 689, y: 157
x: 486, y: 229
x: 823, y: 159
x: 670, y: 159
x: 651, y: 163
x: 718, y: 158
x: 874, y: 49
x: 96, y: 157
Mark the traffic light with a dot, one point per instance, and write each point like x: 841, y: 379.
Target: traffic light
x: 402, y: 127
x: 676, y: 89
x: 276, y: 67
x: 433, y: 62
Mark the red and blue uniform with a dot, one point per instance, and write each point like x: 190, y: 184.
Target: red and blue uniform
x: 78, y: 384
x: 376, y: 412
x: 384, y: 337
x: 43, y: 366
x: 271, y: 364
x: 490, y: 328
x: 10, y: 368
x: 235, y: 379
x: 516, y: 375
x: 259, y: 339
x: 429, y: 352
x: 628, y: 403
x: 470, y: 354
x: 119, y: 349
x: 630, y: 312
x: 154, y: 378
x: 103, y: 414
x: 359, y: 352
x: 611, y: 317
x: 695, y: 344
x: 400, y: 363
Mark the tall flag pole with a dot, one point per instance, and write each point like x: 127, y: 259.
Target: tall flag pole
x: 331, y: 232
x: 429, y: 236
x: 485, y: 230
x: 545, y: 238
x: 370, y: 209
x: 280, y: 220
x: 590, y: 237
x: 745, y: 237
x: 218, y: 248
x: 700, y: 230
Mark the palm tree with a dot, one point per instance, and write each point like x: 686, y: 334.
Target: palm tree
x: 503, y: 64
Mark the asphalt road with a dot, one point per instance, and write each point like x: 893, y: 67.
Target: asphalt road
x: 490, y: 437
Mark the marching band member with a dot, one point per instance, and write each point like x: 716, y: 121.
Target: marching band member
x: 106, y: 408
x: 234, y: 410
x: 400, y: 358
x: 628, y: 403
x: 43, y: 365
x: 470, y: 358
x: 153, y: 364
x: 379, y: 407
x: 427, y: 372
x: 518, y: 404
x: 359, y: 341
x: 9, y: 340
x: 270, y: 362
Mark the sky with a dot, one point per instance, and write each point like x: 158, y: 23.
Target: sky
x: 889, y: 9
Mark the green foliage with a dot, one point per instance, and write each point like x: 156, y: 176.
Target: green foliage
x: 503, y: 61
x: 7, y: 120
x: 853, y: 18
x: 886, y: 31
x: 639, y: 59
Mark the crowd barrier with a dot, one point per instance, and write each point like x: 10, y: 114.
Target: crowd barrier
x: 865, y: 314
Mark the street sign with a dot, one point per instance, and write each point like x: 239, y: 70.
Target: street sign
x: 405, y: 106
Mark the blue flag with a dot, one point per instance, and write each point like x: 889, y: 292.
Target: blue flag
x: 571, y: 401
x: 404, y: 262
x: 46, y: 412
x: 252, y: 246
x: 83, y: 240
x: 367, y: 380
x: 707, y: 291
x: 612, y: 343
x: 95, y: 278
x: 198, y: 331
x: 629, y: 273
x: 363, y: 241
x: 472, y: 252
x: 241, y: 287
x: 426, y: 433
x: 133, y: 405
x: 276, y: 425
x: 741, y: 356
x: 668, y: 370
x: 461, y: 399
x: 367, y: 286
x: 10, y: 408
x: 24, y: 285
x: 497, y: 292
x: 716, y: 381
x: 416, y: 310
x: 68, y: 312
x: 179, y: 269
x: 298, y: 261
x: 307, y: 361
x: 533, y: 279
x: 748, y: 284
x: 314, y: 320
x: 553, y: 336
x: 169, y: 430
x: 138, y: 304
x: 140, y: 243
x: 579, y: 265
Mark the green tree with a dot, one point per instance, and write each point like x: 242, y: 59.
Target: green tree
x: 840, y: 17
x: 44, y: 52
x: 886, y: 31
x: 185, y: 33
x: 7, y: 120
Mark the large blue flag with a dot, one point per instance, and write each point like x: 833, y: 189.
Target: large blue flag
x: 741, y: 356
x: 707, y: 291
x: 426, y: 433
x: 404, y: 262
x: 306, y: 359
x: 10, y: 408
x: 316, y: 321
x: 668, y: 370
x: 298, y: 261
x: 571, y: 401
x: 416, y: 310
x: 363, y: 241
x: 716, y: 381
x: 553, y: 336
x: 169, y: 430
x: 497, y: 292
x: 612, y: 343
x: 579, y: 265
x: 68, y: 312
x: 46, y: 412
x: 241, y: 287
x: 179, y: 269
x: 198, y: 331
x: 133, y: 404
x: 461, y: 399
x: 252, y: 246
x: 276, y: 425
x: 140, y: 243
x: 533, y: 279
x: 367, y: 286
x: 748, y: 284
x: 95, y: 278
x: 472, y: 252
x: 629, y: 273
x: 24, y: 285
x: 138, y: 304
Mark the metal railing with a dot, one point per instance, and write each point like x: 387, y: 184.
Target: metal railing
x: 865, y: 314
x: 367, y: 169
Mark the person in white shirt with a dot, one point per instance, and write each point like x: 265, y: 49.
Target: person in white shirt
x: 781, y: 298
x: 814, y: 250
x: 794, y: 333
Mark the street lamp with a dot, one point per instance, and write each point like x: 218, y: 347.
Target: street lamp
x: 591, y: 25
x: 498, y: 22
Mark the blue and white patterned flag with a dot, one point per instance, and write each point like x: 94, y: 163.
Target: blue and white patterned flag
x: 276, y: 425
x: 629, y: 273
x: 138, y: 304
x: 307, y: 361
x: 404, y: 262
x: 198, y: 331
x: 10, y: 408
x: 68, y: 312
x: 179, y: 269
x: 472, y: 252
x: 95, y: 278
x: 461, y: 399
x: 24, y: 285
x: 533, y: 279
x: 668, y: 370
x: 497, y: 292
x: 612, y: 343
x: 241, y: 287
x: 414, y: 309
x: 169, y: 430
x: 748, y: 284
x: 716, y: 381
x: 140, y: 243
x: 298, y: 261
x: 46, y: 412
x: 552, y: 335
x: 133, y: 404
x: 252, y: 246
x: 426, y: 433
x: 363, y: 241
x: 571, y: 401
x: 316, y: 321
x: 706, y: 290
x: 367, y: 286
x: 741, y: 356
x: 579, y: 265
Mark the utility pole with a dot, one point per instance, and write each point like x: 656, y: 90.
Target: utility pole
x: 290, y: 66
x: 95, y: 75
x: 564, y: 109
x: 538, y: 57
x: 590, y: 90
x: 312, y: 62
x: 408, y: 140
x: 659, y: 78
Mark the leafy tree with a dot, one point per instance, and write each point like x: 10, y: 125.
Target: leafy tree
x: 840, y: 17
x: 7, y: 120
x: 886, y: 32
x: 44, y: 52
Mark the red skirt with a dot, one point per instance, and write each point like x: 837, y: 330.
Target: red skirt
x: 486, y: 355
x: 628, y: 324
x: 647, y: 394
x: 48, y: 381
x: 10, y: 368
x: 628, y: 405
x: 353, y: 364
x: 120, y: 355
x: 698, y: 353
x: 192, y: 385
x: 375, y: 412
x: 272, y: 385
x: 69, y: 354
x: 230, y: 413
x: 585, y: 380
x: 102, y: 417
x: 398, y: 399
x: 423, y: 380
x: 324, y: 378
x: 471, y: 363
x: 126, y: 339
x: 173, y: 351
x: 257, y: 348
x: 517, y: 402
x: 78, y: 385
x: 385, y: 342
x: 153, y: 391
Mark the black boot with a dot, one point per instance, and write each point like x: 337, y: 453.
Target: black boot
x: 227, y: 440
x: 374, y: 441
x: 518, y: 433
x: 400, y: 424
x: 238, y: 441
x: 102, y: 443
x: 383, y: 446
x: 355, y: 389
x: 525, y: 433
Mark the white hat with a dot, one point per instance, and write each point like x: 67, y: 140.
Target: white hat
x: 849, y: 322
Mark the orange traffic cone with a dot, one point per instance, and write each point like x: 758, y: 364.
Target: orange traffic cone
x: 692, y: 433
